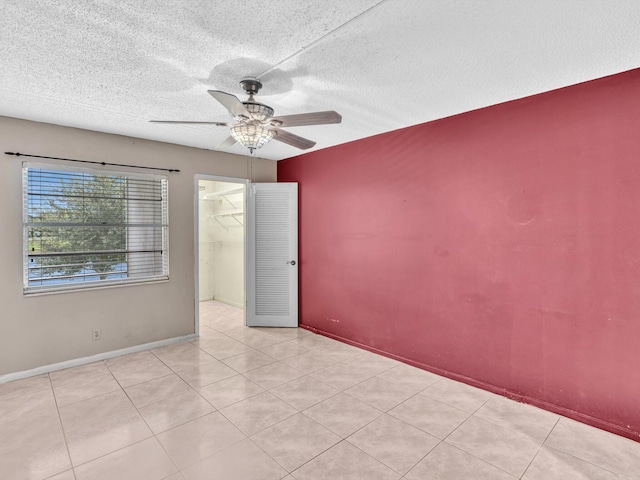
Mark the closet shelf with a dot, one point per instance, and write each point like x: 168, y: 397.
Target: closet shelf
x: 222, y: 193
x: 234, y: 215
x: 227, y: 214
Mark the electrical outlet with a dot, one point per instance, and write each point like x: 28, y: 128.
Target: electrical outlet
x: 96, y: 334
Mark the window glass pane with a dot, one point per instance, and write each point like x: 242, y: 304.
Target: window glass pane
x: 85, y: 227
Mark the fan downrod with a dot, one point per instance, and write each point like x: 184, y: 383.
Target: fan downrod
x: 251, y: 85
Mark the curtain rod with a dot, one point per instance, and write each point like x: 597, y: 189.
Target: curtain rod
x: 18, y: 154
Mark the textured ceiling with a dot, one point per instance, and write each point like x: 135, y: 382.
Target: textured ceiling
x: 112, y: 65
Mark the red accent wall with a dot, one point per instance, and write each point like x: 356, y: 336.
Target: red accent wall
x: 499, y: 246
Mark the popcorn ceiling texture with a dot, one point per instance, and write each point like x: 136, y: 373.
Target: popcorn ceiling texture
x: 112, y: 65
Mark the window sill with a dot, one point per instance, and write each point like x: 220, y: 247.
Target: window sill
x: 53, y: 291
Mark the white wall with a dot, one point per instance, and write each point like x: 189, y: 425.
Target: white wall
x: 45, y: 329
x: 206, y: 244
x: 221, y: 244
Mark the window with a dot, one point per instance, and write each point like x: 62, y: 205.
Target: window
x: 86, y: 228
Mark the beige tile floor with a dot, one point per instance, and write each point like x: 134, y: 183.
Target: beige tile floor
x: 263, y: 404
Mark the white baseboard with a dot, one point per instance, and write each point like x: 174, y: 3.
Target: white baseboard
x: 76, y: 362
x: 228, y: 302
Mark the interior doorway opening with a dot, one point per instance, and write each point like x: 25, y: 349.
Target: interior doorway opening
x: 221, y: 243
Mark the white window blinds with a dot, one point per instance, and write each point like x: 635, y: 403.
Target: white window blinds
x: 86, y: 228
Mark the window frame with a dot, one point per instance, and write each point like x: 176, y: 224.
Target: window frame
x: 92, y: 284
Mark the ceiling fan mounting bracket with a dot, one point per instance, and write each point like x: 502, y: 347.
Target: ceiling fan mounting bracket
x: 251, y: 85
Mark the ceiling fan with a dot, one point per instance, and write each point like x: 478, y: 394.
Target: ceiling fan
x: 255, y: 124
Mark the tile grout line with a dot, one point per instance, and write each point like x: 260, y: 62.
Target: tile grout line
x: 64, y: 433
x: 118, y: 449
x: 255, y: 433
x: 298, y: 412
x: 625, y: 477
x: 488, y: 420
x: 540, y: 448
x: 468, y: 453
x: 400, y: 420
x: 153, y: 433
x: 380, y: 461
x: 440, y: 441
x: 155, y: 436
x: 405, y: 400
x: 267, y: 454
x: 342, y: 440
x: 296, y: 379
x: 238, y: 401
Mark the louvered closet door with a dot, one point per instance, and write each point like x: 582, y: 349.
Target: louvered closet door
x: 272, y: 230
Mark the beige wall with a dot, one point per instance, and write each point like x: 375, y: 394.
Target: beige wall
x: 45, y: 329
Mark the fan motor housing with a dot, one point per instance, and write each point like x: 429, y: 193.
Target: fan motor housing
x: 251, y: 85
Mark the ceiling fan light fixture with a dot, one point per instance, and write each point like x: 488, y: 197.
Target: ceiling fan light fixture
x: 251, y: 136
x: 259, y: 111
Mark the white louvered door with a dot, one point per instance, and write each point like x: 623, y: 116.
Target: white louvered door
x: 272, y: 231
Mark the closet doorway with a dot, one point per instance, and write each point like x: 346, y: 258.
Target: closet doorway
x: 220, y: 242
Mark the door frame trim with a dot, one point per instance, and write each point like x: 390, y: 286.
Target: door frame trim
x: 196, y: 238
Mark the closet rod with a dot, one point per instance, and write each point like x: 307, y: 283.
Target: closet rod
x: 18, y: 154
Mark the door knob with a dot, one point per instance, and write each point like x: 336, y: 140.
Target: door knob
x: 292, y: 262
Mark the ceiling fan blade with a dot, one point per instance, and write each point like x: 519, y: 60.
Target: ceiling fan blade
x: 231, y: 103
x: 218, y: 124
x: 229, y: 141
x: 314, y: 118
x: 291, y: 139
